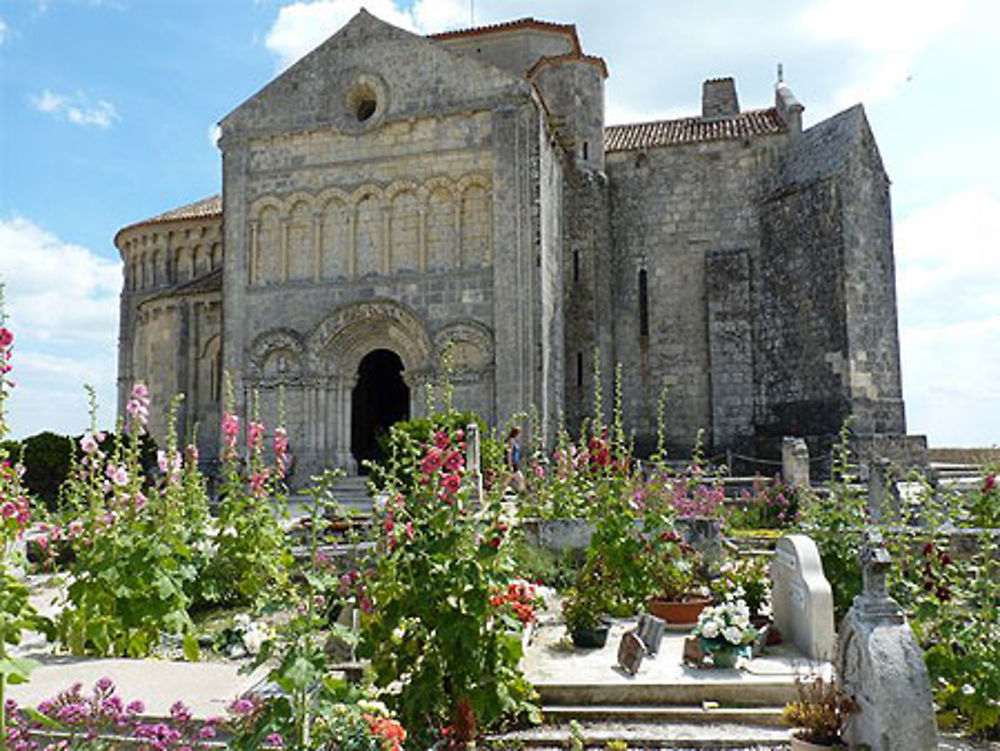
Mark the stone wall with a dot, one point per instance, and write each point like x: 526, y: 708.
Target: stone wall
x: 671, y: 207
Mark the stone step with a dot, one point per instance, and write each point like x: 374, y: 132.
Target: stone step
x: 732, y: 689
x: 650, y: 735
x: 695, y: 713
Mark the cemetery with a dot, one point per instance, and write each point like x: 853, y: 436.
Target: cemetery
x: 455, y: 608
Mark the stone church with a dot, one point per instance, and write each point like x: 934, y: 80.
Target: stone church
x: 393, y: 197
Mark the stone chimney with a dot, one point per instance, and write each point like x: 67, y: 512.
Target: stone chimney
x: 787, y: 105
x: 718, y: 98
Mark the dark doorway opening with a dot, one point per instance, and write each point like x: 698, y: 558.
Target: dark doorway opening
x: 379, y: 399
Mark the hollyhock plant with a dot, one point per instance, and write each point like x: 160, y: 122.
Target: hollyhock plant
x: 433, y: 624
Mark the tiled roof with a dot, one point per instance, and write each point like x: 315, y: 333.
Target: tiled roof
x: 692, y: 130
x: 520, y: 23
x: 206, y: 283
x: 206, y: 207
x: 571, y: 57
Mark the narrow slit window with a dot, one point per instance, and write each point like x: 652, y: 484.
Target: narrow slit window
x: 643, y: 304
x: 586, y: 151
x: 576, y: 265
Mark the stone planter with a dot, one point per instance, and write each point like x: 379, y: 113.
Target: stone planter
x: 558, y: 535
x: 800, y: 745
x: 678, y: 612
x: 594, y: 637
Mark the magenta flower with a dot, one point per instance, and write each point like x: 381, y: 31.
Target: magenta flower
x: 6, y: 337
x: 255, y: 433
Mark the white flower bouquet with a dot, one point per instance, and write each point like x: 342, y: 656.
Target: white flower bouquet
x: 725, y: 632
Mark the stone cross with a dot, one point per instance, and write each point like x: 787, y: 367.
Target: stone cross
x: 883, y: 495
x: 882, y: 667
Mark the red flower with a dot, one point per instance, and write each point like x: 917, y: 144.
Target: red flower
x: 452, y: 483
x: 432, y: 462
x: 454, y: 462
x: 6, y: 337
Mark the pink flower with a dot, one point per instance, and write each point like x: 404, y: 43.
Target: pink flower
x: 230, y: 433
x: 258, y: 482
x: 410, y: 534
x: 989, y: 483
x: 88, y: 444
x: 255, y: 433
x: 118, y: 475
x: 441, y: 439
x: 275, y: 739
x: 6, y: 337
x: 138, y: 406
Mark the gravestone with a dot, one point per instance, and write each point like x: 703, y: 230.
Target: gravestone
x: 630, y: 652
x: 795, y: 461
x: 651, y: 633
x: 801, y: 597
x: 881, y: 665
x: 473, y: 469
x: 883, y: 494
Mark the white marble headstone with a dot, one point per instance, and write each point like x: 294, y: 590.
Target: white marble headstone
x: 801, y: 598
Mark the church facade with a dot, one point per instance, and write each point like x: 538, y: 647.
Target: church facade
x: 394, y: 201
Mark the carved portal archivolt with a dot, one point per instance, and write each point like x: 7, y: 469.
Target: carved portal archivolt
x: 318, y: 372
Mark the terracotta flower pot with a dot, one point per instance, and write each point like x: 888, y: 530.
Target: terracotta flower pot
x: 683, y: 612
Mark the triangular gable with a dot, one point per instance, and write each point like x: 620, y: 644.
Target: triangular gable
x: 827, y: 148
x: 408, y: 75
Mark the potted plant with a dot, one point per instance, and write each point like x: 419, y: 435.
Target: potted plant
x: 818, y: 715
x: 677, y: 595
x: 583, y: 612
x: 725, y: 633
x: 746, y: 578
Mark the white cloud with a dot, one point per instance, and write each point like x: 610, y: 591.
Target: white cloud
x: 76, y: 109
x: 4, y: 29
x: 883, y: 39
x: 62, y: 302
x: 301, y: 26
x: 948, y: 301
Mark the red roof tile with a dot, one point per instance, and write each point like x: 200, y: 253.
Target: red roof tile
x: 520, y: 23
x: 692, y: 130
x: 203, y: 209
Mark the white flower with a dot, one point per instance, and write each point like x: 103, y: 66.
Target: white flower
x: 968, y: 690
x: 710, y: 629
x: 733, y: 635
x: 254, y: 637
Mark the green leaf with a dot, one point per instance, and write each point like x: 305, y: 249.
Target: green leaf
x: 17, y: 669
x: 192, y: 652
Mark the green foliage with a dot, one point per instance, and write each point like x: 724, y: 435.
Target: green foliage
x: 134, y: 566
x: 252, y: 553
x: 430, y: 625
x: 47, y: 458
x: 771, y: 504
x: 835, y: 521
x: 556, y: 570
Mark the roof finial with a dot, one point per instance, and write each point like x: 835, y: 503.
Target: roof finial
x: 781, y: 73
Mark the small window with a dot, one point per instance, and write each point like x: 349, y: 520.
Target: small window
x: 586, y: 151
x: 579, y: 369
x: 576, y: 264
x: 643, y: 305
x: 366, y: 108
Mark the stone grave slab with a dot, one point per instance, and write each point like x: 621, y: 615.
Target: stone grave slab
x: 801, y: 597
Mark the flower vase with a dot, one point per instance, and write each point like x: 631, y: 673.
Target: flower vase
x: 723, y: 654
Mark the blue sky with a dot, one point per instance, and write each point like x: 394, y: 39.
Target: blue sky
x: 107, y: 109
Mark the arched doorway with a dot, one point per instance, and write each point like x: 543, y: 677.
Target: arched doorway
x: 379, y: 399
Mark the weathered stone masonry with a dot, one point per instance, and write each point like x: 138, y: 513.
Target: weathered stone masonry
x: 391, y: 198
